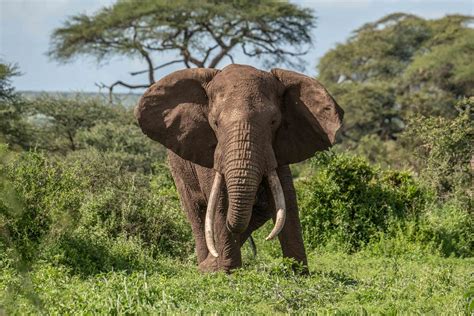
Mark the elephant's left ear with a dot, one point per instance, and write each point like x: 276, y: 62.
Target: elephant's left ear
x: 310, y: 118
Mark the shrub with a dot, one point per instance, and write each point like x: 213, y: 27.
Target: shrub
x: 346, y: 202
x: 443, y: 150
x: 444, y: 230
x: 125, y: 143
x: 448, y: 229
x: 45, y: 196
x: 88, y: 204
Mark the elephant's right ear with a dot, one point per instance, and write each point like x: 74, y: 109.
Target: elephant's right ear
x: 173, y: 111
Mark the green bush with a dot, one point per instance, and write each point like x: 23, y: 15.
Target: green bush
x: 346, y: 202
x: 350, y: 205
x: 125, y: 143
x: 444, y: 230
x: 83, y: 209
x: 442, y: 151
x: 448, y: 229
x: 56, y: 120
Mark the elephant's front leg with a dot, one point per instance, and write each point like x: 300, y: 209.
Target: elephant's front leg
x: 227, y: 244
x: 291, y: 238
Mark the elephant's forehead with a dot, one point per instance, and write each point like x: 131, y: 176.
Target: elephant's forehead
x: 244, y: 81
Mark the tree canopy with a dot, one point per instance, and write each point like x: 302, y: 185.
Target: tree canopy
x: 12, y: 107
x: 7, y: 71
x: 397, y: 66
x: 200, y: 33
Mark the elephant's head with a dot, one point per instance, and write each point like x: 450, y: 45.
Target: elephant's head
x: 242, y: 122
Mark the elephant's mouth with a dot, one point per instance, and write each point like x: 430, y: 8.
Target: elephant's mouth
x: 277, y: 193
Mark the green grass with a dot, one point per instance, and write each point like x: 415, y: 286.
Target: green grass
x: 338, y: 282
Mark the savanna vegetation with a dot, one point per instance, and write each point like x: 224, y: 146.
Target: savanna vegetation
x: 90, y: 221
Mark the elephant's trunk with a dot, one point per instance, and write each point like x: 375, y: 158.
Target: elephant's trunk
x: 242, y: 181
x: 244, y: 163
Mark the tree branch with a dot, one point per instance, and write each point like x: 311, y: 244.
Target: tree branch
x: 208, y: 53
x: 184, y: 48
x: 157, y: 67
x: 217, y: 59
x: 145, y: 54
x: 151, y: 70
x: 123, y: 84
x: 231, y: 58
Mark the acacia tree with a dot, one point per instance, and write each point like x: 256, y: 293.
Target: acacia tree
x: 200, y: 33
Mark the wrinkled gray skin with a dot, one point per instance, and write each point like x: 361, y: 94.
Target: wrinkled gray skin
x: 242, y: 123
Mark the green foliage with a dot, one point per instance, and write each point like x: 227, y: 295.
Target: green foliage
x: 7, y: 71
x: 346, y: 202
x: 349, y: 205
x: 442, y: 150
x: 43, y: 193
x: 97, y: 205
x: 123, y: 142
x: 89, y: 213
x: 444, y: 230
x: 448, y: 229
x: 387, y: 153
x: 56, y: 119
x: 61, y: 125
x: 448, y: 63
x: 397, y: 66
x: 377, y: 116
x: 13, y: 128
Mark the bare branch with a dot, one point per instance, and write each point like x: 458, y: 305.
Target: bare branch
x: 146, y: 55
x: 188, y: 58
x: 120, y: 83
x: 157, y: 67
x: 208, y: 53
x: 127, y: 85
x: 231, y: 58
x: 151, y: 70
x: 216, y: 60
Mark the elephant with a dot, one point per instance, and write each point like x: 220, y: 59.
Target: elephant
x: 231, y: 135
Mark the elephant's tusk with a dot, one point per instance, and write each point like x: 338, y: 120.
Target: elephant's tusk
x: 277, y: 192
x: 210, y: 212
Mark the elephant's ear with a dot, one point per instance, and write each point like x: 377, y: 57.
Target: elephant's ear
x: 173, y: 111
x: 310, y: 118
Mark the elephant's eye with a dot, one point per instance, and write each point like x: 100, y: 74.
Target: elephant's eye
x: 215, y: 123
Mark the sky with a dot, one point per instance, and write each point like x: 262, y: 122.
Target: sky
x: 26, y: 26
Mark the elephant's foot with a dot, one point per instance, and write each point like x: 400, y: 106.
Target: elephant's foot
x: 213, y: 264
x: 209, y: 264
